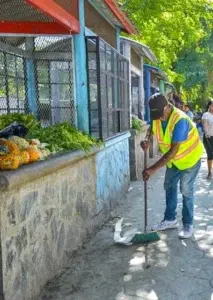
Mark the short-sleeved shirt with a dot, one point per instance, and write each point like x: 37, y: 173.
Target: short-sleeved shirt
x: 180, y: 131
x: 190, y: 114
x: 208, y: 118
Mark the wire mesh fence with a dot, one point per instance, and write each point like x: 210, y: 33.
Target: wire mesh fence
x: 19, y: 10
x: 108, y: 77
x: 12, y: 84
x: 36, y: 75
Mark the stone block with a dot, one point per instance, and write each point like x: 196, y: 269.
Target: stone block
x: 64, y: 192
x: 21, y: 241
x: 54, y: 229
x: 11, y: 256
x: 61, y: 240
x: 11, y: 214
x: 27, y: 203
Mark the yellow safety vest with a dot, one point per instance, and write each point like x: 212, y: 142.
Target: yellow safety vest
x: 189, y: 152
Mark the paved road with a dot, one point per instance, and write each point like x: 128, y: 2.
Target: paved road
x: 178, y: 270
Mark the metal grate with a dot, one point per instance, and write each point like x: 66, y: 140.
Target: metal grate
x: 108, y: 77
x: 36, y: 75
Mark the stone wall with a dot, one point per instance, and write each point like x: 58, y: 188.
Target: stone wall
x: 48, y: 210
x: 136, y: 153
x: 42, y: 223
x: 113, y: 175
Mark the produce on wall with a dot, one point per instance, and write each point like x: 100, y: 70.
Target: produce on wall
x: 39, y: 142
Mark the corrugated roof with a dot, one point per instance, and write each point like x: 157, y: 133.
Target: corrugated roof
x: 18, y: 10
x: 141, y: 49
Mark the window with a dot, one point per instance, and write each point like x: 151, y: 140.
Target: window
x: 54, y: 80
x: 108, y: 79
x: 12, y: 84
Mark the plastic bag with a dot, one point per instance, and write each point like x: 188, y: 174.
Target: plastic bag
x: 127, y: 237
x: 13, y: 129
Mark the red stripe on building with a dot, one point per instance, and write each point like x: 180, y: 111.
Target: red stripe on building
x: 19, y: 27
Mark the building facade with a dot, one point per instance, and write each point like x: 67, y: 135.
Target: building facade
x: 61, y: 61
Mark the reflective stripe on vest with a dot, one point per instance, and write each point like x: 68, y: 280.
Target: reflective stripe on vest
x: 186, y: 152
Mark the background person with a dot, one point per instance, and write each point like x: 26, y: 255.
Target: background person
x: 188, y: 111
x: 207, y: 121
x: 199, y: 125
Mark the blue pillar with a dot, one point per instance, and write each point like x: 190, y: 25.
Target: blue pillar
x: 147, y: 87
x: 30, y: 76
x: 81, y: 73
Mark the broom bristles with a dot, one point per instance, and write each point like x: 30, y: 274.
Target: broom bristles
x: 140, y: 238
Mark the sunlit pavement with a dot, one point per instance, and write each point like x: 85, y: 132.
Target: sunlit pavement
x: 170, y: 269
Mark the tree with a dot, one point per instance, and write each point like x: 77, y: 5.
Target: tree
x: 178, y: 32
x: 195, y: 65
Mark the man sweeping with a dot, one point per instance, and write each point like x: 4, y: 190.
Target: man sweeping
x: 181, y: 147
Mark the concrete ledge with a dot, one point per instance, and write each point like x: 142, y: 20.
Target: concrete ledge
x: 116, y: 139
x: 11, y: 179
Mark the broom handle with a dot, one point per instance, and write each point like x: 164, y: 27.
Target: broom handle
x: 145, y: 193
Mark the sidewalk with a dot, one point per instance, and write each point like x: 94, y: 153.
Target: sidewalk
x: 178, y: 270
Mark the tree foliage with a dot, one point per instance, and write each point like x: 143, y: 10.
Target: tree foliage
x: 179, y: 33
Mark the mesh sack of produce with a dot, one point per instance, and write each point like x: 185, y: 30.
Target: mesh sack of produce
x: 9, y: 162
x: 12, y: 146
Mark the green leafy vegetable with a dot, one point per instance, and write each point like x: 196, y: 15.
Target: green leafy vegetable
x: 28, y: 120
x: 62, y: 136
x: 59, y: 137
x: 137, y: 124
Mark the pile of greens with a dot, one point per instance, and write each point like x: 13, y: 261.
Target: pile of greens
x: 28, y: 120
x: 62, y: 136
x: 59, y: 137
x: 137, y: 124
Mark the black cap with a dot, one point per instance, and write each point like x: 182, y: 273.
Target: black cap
x: 156, y: 104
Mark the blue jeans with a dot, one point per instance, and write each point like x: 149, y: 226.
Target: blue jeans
x: 187, y: 179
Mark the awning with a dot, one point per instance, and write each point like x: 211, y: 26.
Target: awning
x: 158, y: 72
x: 141, y: 49
x: 37, y: 17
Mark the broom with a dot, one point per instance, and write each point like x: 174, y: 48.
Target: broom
x: 146, y: 236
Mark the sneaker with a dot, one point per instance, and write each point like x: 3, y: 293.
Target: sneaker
x: 163, y: 225
x: 186, y: 232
